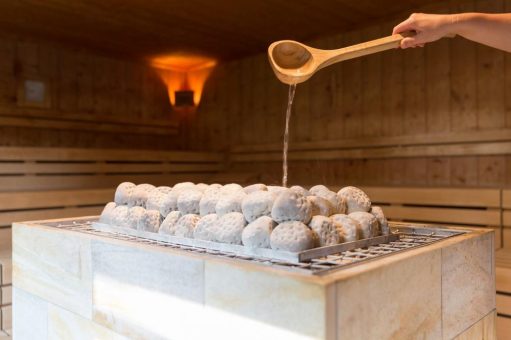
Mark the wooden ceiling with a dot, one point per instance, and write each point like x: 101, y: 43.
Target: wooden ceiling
x: 222, y: 29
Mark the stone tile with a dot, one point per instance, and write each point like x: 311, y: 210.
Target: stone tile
x: 66, y: 325
x: 468, y: 283
x: 30, y: 316
x: 146, y: 293
x: 251, y: 304
x: 400, y: 300
x: 55, y: 266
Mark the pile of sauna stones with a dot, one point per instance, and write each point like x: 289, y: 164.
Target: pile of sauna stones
x: 258, y: 216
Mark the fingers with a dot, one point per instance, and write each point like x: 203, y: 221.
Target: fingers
x: 407, y: 25
x: 411, y: 42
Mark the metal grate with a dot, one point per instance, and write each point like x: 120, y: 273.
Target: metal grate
x: 411, y: 237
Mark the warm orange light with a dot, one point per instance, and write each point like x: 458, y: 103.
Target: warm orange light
x: 182, y: 71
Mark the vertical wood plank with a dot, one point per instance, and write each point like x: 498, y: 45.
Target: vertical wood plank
x: 414, y: 91
x: 352, y: 90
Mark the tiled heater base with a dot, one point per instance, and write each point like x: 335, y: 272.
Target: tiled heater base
x: 70, y: 279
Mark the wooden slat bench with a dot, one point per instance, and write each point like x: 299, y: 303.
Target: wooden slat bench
x: 45, y: 183
x: 503, y: 270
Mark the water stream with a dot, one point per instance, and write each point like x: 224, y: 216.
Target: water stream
x: 291, y: 95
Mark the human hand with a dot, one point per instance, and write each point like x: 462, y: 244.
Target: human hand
x: 428, y: 28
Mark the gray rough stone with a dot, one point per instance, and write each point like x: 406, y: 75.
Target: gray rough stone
x: 123, y: 193
x: 255, y: 187
x: 356, y: 199
x: 106, y: 214
x: 382, y: 221
x: 188, y: 201
x: 207, y: 228
x: 290, y: 206
x: 325, y: 230
x: 186, y: 225
x: 168, y: 226
x: 134, y: 216
x: 348, y: 228
x: 257, y: 204
x: 150, y: 221
x: 230, y: 228
x: 257, y: 233
x: 292, y: 236
x: 368, y: 223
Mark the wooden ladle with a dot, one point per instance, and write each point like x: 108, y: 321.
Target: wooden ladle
x: 294, y: 62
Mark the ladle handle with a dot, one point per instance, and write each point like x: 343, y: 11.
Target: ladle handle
x: 366, y: 48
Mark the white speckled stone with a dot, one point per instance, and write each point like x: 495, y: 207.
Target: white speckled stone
x: 276, y: 189
x: 207, y: 204
x: 188, y: 201
x: 255, y: 187
x: 257, y: 204
x: 382, y: 221
x: 150, y: 221
x: 231, y: 188
x: 169, y: 203
x: 164, y: 189
x: 369, y: 226
x: 290, y: 206
x: 349, y: 228
x: 230, y: 228
x: 168, y: 226
x: 257, y: 233
x: 139, y: 195
x: 106, y: 214
x: 119, y: 216
x: 229, y: 202
x: 206, y: 228
x: 154, y: 199
x: 183, y: 186
x: 300, y: 190
x: 123, y: 192
x: 201, y: 187
x: 356, y: 199
x: 186, y: 225
x: 325, y: 230
x: 320, y: 206
x: 135, y: 214
x: 292, y: 236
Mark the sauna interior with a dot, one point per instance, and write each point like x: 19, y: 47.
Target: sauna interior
x: 95, y: 93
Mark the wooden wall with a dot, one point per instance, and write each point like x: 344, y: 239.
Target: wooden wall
x: 433, y: 116
x: 96, y: 100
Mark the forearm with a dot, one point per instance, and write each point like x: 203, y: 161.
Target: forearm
x: 489, y: 29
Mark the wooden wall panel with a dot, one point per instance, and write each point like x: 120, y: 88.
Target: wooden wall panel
x: 448, y: 102
x: 96, y: 101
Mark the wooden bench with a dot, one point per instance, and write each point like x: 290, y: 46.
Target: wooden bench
x: 45, y: 183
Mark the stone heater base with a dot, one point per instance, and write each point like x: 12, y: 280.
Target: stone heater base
x: 74, y: 283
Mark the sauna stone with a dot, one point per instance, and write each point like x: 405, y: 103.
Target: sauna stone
x: 276, y: 189
x: 188, y: 201
x: 356, y: 199
x: 106, y: 214
x: 207, y: 204
x: 255, y: 187
x: 134, y: 216
x: 325, y: 230
x: 169, y: 203
x: 229, y: 202
x: 168, y: 226
x: 120, y: 216
x: 149, y: 221
x: 257, y: 233
x: 123, y: 192
x: 257, y: 204
x: 368, y: 224
x: 231, y: 188
x: 348, y: 228
x: 186, y: 225
x: 139, y: 195
x: 201, y: 187
x: 300, y: 190
x: 164, y: 189
x: 206, y: 228
x: 230, y: 228
x: 290, y: 206
x: 212, y: 187
x: 183, y: 186
x: 320, y: 206
x: 155, y: 199
x: 338, y: 203
x: 382, y: 221
x: 292, y: 236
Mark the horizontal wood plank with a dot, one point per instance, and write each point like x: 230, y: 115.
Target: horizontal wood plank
x: 435, y: 196
x: 473, y: 149
x: 9, y: 168
x: 7, y: 218
x: 351, y: 143
x: 29, y: 183
x: 55, y: 198
x: 5, y: 237
x: 6, y: 295
x: 5, y: 267
x: 77, y: 154
x: 443, y: 215
x: 77, y: 125
x: 506, y: 218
